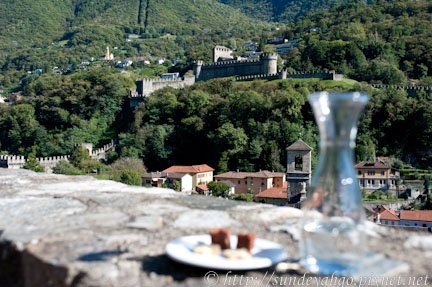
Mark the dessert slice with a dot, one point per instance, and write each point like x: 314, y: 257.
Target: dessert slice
x: 246, y: 240
x: 221, y: 237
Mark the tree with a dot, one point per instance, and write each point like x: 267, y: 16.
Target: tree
x: 218, y: 188
x: 32, y: 163
x: 176, y: 185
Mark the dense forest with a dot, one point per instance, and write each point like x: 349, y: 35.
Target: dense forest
x: 383, y: 41
x: 284, y: 11
x: 227, y: 124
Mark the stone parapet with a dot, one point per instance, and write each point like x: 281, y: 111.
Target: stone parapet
x: 66, y: 231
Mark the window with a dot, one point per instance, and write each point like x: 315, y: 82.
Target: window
x: 371, y: 172
x: 424, y: 225
x: 239, y: 182
x: 382, y: 172
x: 359, y: 172
x: 298, y: 163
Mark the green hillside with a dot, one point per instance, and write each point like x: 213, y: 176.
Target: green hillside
x: 281, y: 10
x: 47, y: 33
x: 383, y: 41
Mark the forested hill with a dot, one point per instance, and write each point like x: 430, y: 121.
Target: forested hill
x: 281, y: 10
x: 383, y: 41
x: 48, y: 33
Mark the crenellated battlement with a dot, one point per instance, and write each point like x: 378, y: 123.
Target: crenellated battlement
x: 260, y: 76
x: 48, y: 163
x: 402, y: 87
x: 321, y: 74
x: 97, y: 154
x: 230, y: 62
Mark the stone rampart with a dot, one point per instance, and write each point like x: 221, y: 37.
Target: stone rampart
x: 100, y: 153
x: 145, y: 87
x: 48, y: 163
x: 267, y: 64
x: 410, y: 89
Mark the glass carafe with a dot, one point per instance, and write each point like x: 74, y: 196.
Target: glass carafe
x: 332, y: 235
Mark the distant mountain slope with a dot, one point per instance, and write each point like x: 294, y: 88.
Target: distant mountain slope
x: 27, y: 22
x: 280, y: 10
x: 48, y: 33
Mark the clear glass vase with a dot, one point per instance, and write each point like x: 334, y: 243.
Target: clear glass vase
x: 333, y: 239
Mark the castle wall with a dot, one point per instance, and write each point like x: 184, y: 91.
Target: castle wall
x: 411, y: 90
x: 266, y: 65
x: 48, y: 163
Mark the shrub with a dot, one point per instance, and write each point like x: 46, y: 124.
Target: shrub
x: 128, y: 170
x: 218, y: 188
x: 131, y: 177
x: 64, y: 167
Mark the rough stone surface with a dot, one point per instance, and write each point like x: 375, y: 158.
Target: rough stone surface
x: 77, y: 231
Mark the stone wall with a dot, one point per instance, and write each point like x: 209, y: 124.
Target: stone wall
x: 75, y: 231
x: 411, y: 90
x: 48, y: 163
x: 266, y: 65
x: 18, y: 161
x: 145, y: 87
x: 324, y: 75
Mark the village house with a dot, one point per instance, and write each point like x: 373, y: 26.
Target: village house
x: 164, y: 179
x: 274, y: 195
x: 201, y: 174
x: 377, y: 175
x: 405, y: 218
x: 386, y: 216
x: 253, y: 181
x: 416, y: 218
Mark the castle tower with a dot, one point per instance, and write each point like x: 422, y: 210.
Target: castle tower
x: 222, y: 53
x: 269, y: 62
x: 197, y: 69
x: 299, y: 170
x: 88, y: 146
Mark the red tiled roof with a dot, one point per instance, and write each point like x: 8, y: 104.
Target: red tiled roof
x: 274, y: 192
x: 416, y: 215
x: 202, y: 187
x: 372, y: 164
x: 189, y: 168
x: 388, y: 215
x: 241, y: 175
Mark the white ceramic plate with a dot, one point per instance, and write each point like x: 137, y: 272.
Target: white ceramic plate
x: 264, y: 254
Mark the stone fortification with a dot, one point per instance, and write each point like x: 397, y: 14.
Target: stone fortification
x: 411, y: 90
x: 324, y: 75
x: 267, y: 64
x: 18, y: 161
x: 48, y: 163
x: 147, y: 86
